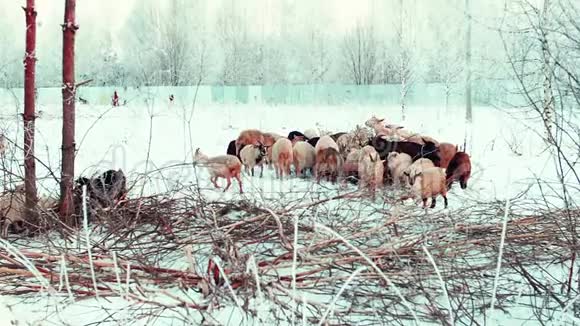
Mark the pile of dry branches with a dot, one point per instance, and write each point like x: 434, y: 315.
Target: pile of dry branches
x: 396, y: 262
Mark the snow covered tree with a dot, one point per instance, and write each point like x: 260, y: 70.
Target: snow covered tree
x: 99, y: 59
x: 269, y: 65
x: 468, y: 81
x: 174, y: 44
x: 446, y: 61
x: 10, y: 56
x: 160, y: 45
x: 548, y: 70
x: 359, y: 49
x: 542, y: 42
x: 546, y: 64
x: 236, y: 46
x: 405, y: 43
x: 318, y: 58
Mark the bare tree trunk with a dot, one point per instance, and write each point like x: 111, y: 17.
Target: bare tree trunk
x: 403, y: 94
x: 548, y: 102
x: 29, y: 108
x: 468, y: 101
x: 68, y: 112
x: 402, y: 71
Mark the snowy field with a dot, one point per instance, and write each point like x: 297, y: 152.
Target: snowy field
x: 507, y: 156
x: 506, y: 151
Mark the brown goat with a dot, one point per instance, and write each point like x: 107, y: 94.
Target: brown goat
x: 282, y: 156
x: 270, y: 139
x: 249, y: 137
x: 328, y: 163
x: 446, y: 152
x: 459, y: 168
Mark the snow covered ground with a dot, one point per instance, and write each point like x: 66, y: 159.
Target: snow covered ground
x: 507, y: 155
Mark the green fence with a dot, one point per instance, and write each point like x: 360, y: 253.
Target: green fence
x: 319, y: 94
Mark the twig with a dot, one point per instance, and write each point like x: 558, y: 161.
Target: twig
x: 88, y: 240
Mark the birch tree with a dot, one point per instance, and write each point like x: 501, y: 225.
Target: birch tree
x: 405, y: 43
x: 468, y: 99
x: 543, y: 51
x: 317, y: 59
x: 359, y: 50
x: 159, y: 43
x: 234, y: 40
x: 548, y: 102
x: 447, y: 60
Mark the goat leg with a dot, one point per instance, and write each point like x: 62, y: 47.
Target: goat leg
x: 229, y: 180
x: 214, y: 181
x: 237, y: 177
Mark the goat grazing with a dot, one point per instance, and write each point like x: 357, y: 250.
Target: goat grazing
x: 107, y: 188
x: 269, y: 139
x: 253, y: 155
x: 304, y: 157
x: 249, y: 137
x: 326, y: 142
x: 378, y: 125
x: 447, y: 151
x: 429, y: 183
x: 417, y: 167
x: 357, y: 138
x: 337, y: 135
x: 328, y: 163
x: 459, y: 169
x: 370, y: 169
x: 313, y: 141
x: 350, y: 166
x: 232, y: 148
x: 397, y: 164
x: 103, y: 191
x: 416, y: 151
x: 396, y: 133
x: 295, y: 136
x: 282, y: 156
x: 310, y: 133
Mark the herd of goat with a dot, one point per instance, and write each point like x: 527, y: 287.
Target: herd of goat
x: 372, y: 156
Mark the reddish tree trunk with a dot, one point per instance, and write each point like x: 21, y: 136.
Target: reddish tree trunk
x: 29, y: 108
x: 68, y: 112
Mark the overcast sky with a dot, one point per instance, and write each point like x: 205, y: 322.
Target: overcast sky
x: 339, y: 15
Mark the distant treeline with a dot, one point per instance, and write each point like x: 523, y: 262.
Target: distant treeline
x: 323, y: 94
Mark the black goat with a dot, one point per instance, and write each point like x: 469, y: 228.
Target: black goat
x: 102, y: 191
x: 232, y: 149
x: 296, y: 135
x: 416, y: 151
x: 313, y: 141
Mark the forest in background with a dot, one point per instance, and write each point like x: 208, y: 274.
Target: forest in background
x: 263, y: 42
